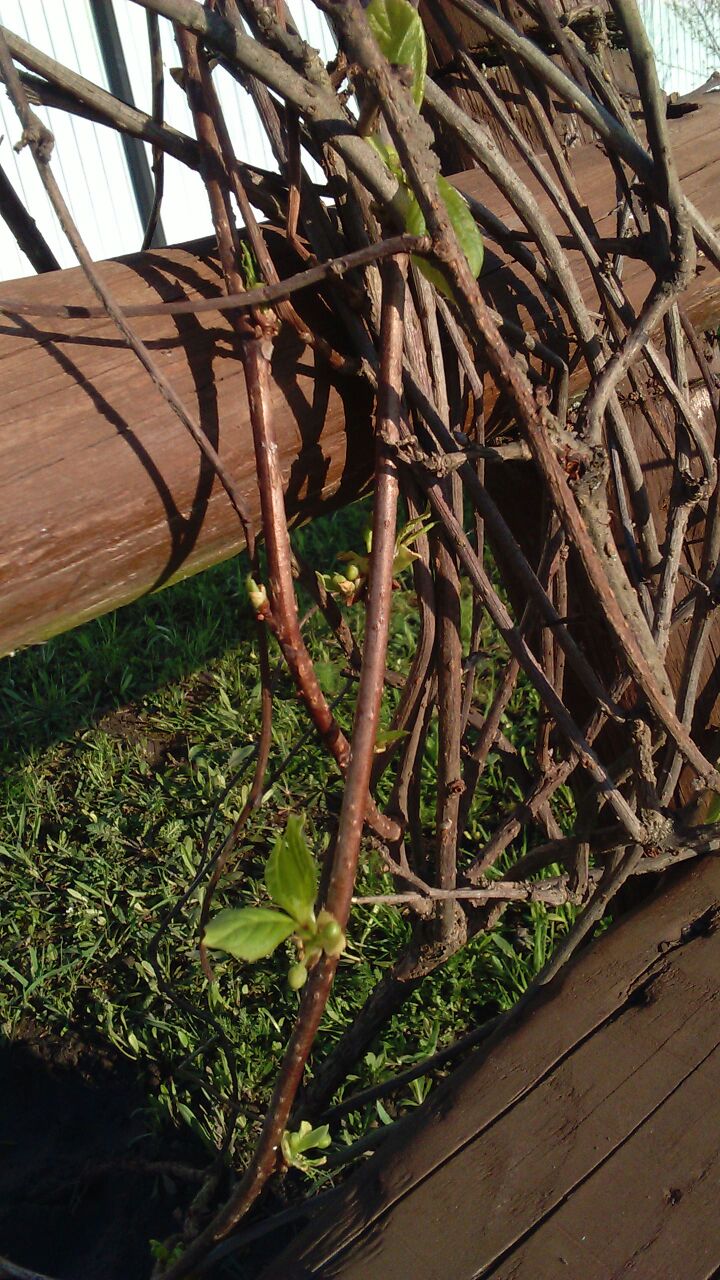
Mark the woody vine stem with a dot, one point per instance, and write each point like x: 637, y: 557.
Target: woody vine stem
x: 606, y: 609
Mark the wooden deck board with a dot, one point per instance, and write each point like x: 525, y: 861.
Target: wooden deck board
x: 651, y: 1210
x: 567, y: 1126
x: 583, y: 1143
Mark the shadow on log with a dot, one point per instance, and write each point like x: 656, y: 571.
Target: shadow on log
x: 106, y: 498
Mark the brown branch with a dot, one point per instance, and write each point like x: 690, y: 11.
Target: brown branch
x: 158, y: 111
x: 450, y: 786
x: 99, y: 104
x: 615, y: 137
x: 24, y: 228
x: 248, y: 299
x: 555, y: 892
x: 317, y: 103
x: 347, y: 845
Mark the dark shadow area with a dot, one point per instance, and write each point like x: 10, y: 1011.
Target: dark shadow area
x: 83, y: 1186
x: 515, y: 296
x: 199, y: 351
x: 51, y: 691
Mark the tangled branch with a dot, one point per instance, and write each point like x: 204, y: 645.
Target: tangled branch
x: 608, y: 614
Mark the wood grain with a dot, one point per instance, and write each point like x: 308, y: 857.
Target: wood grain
x: 557, y: 1149
x: 104, y: 497
x: 649, y: 1210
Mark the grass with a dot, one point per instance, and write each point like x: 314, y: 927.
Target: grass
x: 118, y: 740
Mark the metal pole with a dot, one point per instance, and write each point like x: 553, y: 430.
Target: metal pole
x: 113, y: 56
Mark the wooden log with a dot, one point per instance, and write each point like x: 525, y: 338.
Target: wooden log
x: 104, y: 495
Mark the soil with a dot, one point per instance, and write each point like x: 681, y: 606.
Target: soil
x: 77, y: 1200
x: 161, y: 749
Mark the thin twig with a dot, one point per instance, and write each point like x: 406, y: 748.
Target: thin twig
x: 347, y: 845
x: 158, y: 114
x: 248, y: 299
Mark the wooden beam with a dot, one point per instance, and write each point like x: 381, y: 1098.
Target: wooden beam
x: 579, y: 1140
x: 104, y: 496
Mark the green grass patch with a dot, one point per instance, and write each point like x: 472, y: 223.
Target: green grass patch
x: 119, y: 740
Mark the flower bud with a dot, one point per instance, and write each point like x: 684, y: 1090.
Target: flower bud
x: 297, y: 976
x: 330, y: 934
x: 257, y: 594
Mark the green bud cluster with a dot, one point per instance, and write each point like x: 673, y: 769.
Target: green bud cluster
x: 291, y: 878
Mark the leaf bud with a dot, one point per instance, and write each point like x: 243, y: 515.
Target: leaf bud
x: 257, y: 594
x: 297, y: 976
x: 330, y: 934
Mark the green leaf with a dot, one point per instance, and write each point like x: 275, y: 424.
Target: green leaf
x: 467, y: 232
x: 291, y: 874
x: 308, y: 1138
x: 399, y: 32
x: 384, y: 1115
x: 402, y: 560
x: 248, y: 933
x: 411, y: 531
x: 249, y: 265
x: 464, y: 225
x: 193, y: 1123
x: 411, y: 215
x: 294, y: 1144
x: 387, y: 737
x: 506, y: 947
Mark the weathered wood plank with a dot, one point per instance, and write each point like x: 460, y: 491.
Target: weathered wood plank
x: 104, y: 496
x: 536, y: 1153
x: 650, y: 1211
x: 532, y: 1115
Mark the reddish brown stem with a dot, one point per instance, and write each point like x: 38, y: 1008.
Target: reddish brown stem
x: 449, y: 676
x: 286, y: 625
x: 352, y: 816
x: 377, y: 621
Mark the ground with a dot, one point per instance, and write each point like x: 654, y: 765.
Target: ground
x: 119, y: 742
x: 75, y: 1199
